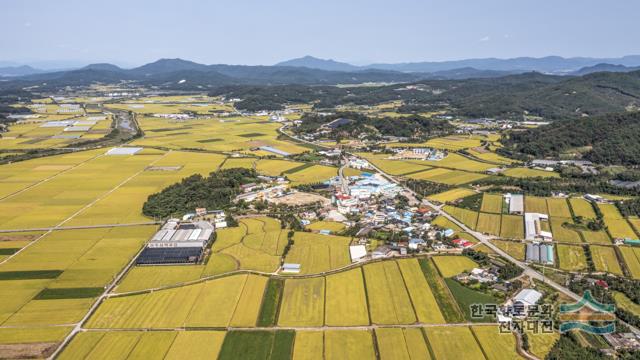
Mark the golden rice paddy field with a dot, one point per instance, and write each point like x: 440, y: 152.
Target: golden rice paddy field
x: 449, y: 266
x: 512, y: 227
x: 464, y: 345
x: 389, y: 292
x: 610, y: 211
x: 393, y: 167
x: 513, y: 248
x: 631, y: 256
x: 318, y: 253
x: 582, y: 207
x: 447, y: 176
x: 534, y: 204
x: 56, y: 279
x: 312, y: 175
x: 228, y: 301
x: 465, y: 216
x: 145, y: 345
x: 451, y: 195
x: 492, y: 203
x: 397, y: 343
x: 326, y: 225
x: 571, y: 258
x: 620, y: 228
x: 604, y: 259
x: 488, y: 223
x: 33, y: 133
x: 522, y: 172
x: 257, y: 244
x: 239, y: 134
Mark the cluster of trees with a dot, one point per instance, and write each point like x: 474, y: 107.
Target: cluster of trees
x: 608, y: 139
x: 411, y: 126
x: 629, y: 207
x: 424, y: 187
x: 216, y: 191
x: 545, y: 186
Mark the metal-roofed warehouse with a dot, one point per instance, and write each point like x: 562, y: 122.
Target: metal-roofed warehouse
x: 177, y: 243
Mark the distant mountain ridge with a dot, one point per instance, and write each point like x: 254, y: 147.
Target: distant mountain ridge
x: 548, y: 64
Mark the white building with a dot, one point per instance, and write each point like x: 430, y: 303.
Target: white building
x: 357, y: 252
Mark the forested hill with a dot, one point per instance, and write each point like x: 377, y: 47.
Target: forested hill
x: 608, y: 139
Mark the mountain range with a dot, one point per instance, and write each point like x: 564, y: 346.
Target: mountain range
x: 182, y: 74
x: 548, y: 64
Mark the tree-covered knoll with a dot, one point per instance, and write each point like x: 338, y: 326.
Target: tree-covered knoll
x: 608, y: 139
x: 216, y: 191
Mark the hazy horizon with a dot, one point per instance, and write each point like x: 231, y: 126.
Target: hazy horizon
x: 260, y: 33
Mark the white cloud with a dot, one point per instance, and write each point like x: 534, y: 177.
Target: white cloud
x: 486, y: 38
x: 27, y: 24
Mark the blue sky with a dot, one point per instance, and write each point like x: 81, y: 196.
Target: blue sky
x: 134, y: 32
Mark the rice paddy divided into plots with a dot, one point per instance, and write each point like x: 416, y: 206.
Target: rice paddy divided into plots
x: 610, y: 211
x: 402, y: 344
x: 63, y: 273
x: 521, y: 172
x: 571, y: 258
x: 582, y: 207
x: 534, y: 204
x: 465, y: 216
x: 449, y: 266
x: 495, y: 345
x: 348, y: 344
x: 560, y: 227
x: 145, y: 345
x: 492, y: 203
x: 393, y: 167
x: 422, y: 298
x: 604, y: 259
x: 558, y: 207
x: 389, y: 301
x: 631, y: 258
x: 623, y: 302
x: 309, y: 345
x: 311, y: 175
x: 541, y: 343
x: 257, y: 244
x: 513, y: 248
x: 229, y: 301
x: 303, y: 302
x: 463, y: 346
x: 346, y: 300
x: 620, y: 229
x: 596, y: 237
x: 318, y: 253
x: 54, y: 131
x: 229, y: 134
x: 326, y: 225
x: 512, y: 227
x: 488, y: 223
x: 451, y: 195
x: 446, y: 176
